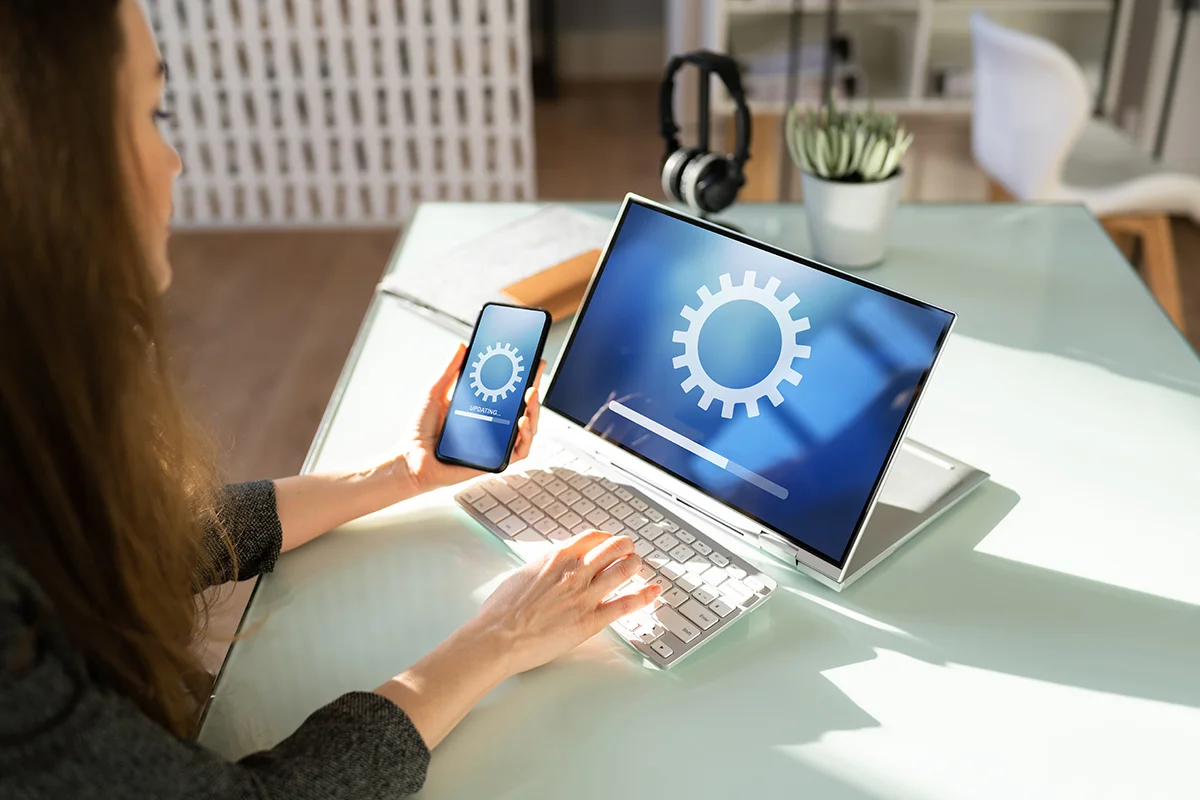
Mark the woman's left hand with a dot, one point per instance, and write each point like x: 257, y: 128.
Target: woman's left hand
x: 420, y: 466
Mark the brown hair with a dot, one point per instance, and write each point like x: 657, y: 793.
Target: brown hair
x: 106, y: 486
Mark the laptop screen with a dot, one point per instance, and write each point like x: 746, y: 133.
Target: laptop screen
x: 777, y: 387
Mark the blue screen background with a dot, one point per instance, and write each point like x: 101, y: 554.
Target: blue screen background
x: 825, y: 444
x: 481, y: 442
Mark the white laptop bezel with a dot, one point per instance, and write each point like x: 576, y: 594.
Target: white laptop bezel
x: 656, y: 479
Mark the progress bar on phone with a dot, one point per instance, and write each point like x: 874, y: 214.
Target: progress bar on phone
x: 698, y: 449
x: 473, y: 415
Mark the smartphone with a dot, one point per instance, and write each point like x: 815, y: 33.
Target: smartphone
x: 502, y: 360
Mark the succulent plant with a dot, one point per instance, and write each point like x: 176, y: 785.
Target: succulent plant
x: 849, y: 146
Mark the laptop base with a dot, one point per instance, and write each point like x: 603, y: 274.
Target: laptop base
x: 921, y: 485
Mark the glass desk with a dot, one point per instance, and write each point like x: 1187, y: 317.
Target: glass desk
x: 1041, y: 639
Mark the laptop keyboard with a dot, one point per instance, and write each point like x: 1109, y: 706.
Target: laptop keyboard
x: 706, y: 588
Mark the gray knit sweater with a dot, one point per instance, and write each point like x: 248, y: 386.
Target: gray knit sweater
x: 63, y: 735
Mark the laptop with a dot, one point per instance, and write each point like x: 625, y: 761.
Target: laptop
x: 713, y: 387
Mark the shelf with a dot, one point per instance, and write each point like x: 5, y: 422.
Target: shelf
x: 888, y: 105
x: 748, y: 7
x: 1041, y: 6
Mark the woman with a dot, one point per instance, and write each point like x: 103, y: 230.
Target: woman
x: 112, y: 519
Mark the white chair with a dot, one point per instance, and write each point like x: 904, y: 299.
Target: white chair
x: 1033, y: 134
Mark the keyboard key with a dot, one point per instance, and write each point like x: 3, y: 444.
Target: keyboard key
x: 643, y: 548
x: 630, y: 623
x: 498, y: 513
x: 569, y: 520
x: 617, y: 529
x: 584, y: 507
x: 646, y: 573
x: 543, y: 477
x: 639, y: 504
x: 556, y: 487
x: 662, y: 649
x: 718, y: 559
x: 636, y: 521
x: 519, y: 504
x: 672, y: 621
x: 687, y: 582
x: 658, y: 559
x: 472, y: 494
x: 754, y: 584
x: 531, y: 515
x: 501, y: 492
x: 570, y: 497
x: 654, y: 514
x: 529, y: 537
x: 735, y: 572
x: 530, y: 489
x: 597, y: 518
x: 681, y: 535
x: 621, y: 511
x: 682, y: 553
x: 697, y: 565
x: 722, y: 608
x: 649, y: 634
x: 702, y: 548
x: 705, y: 594
x: 698, y: 614
x: 713, y: 576
x: 543, y: 500
x: 516, y: 481
x: 672, y: 570
x: 733, y: 591
x: 593, y: 491
x: 545, y: 526
x: 659, y: 580
x: 485, y: 503
x: 557, y: 510
x: 624, y: 494
x: 558, y: 535
x: 512, y: 526
x: 582, y: 527
x: 605, y: 501
x: 664, y: 542
x: 675, y: 597
x: 580, y: 482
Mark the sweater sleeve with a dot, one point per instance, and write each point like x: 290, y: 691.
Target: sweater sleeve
x: 61, y: 735
x: 247, y: 512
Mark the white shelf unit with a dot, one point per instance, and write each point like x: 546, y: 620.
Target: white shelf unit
x: 897, y: 47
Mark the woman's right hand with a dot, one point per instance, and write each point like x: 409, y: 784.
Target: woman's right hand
x: 557, y: 602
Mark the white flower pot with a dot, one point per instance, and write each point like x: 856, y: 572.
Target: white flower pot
x: 849, y: 223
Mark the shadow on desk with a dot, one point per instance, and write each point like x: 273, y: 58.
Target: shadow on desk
x: 354, y: 607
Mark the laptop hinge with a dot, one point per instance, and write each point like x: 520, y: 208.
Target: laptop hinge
x: 779, y: 547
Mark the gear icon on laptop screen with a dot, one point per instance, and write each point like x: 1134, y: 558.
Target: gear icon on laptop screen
x: 782, y: 371
x: 505, y: 351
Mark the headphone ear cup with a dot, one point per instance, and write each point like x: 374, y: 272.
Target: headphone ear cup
x: 672, y: 172
x: 706, y: 186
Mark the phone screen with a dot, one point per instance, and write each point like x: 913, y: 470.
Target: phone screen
x: 489, y: 398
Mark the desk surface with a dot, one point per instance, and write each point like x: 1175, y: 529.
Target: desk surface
x: 1040, y: 640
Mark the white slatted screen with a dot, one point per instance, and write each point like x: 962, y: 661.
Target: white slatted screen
x: 345, y: 112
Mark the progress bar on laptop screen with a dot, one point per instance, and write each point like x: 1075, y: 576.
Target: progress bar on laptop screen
x: 698, y: 449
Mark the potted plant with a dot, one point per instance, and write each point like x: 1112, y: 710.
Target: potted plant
x: 851, y: 176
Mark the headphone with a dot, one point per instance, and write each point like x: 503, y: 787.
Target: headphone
x: 706, y: 182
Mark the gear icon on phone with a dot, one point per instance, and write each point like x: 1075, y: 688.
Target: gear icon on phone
x: 497, y: 350
x: 782, y: 371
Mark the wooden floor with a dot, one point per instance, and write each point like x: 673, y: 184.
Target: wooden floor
x: 263, y: 321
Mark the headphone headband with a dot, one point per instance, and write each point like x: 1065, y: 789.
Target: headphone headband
x: 729, y: 73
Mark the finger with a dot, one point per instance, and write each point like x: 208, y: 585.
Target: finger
x: 613, y: 610
x: 533, y: 411
x: 579, y: 546
x: 616, y: 574
x: 600, y: 557
x: 442, y: 388
x: 524, y: 440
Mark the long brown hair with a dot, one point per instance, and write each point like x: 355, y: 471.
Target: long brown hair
x: 106, y: 487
